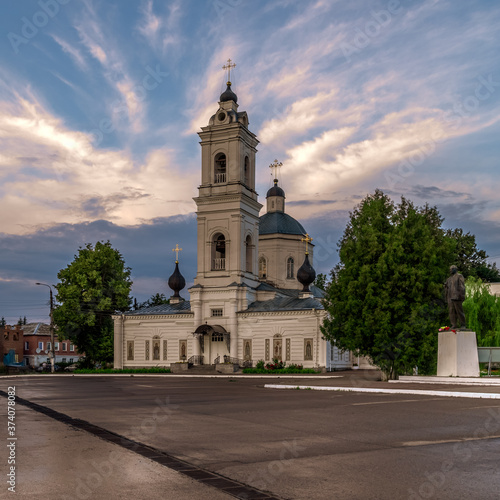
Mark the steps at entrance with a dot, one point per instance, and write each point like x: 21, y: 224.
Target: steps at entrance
x: 202, y: 370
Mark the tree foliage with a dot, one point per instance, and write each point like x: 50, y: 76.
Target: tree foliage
x: 93, y: 287
x: 482, y: 312
x: 156, y: 299
x: 385, y: 298
x: 321, y: 281
x: 469, y: 259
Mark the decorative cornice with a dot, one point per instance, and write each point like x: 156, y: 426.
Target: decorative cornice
x: 302, y: 312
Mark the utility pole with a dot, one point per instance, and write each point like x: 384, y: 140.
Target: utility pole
x: 52, y: 351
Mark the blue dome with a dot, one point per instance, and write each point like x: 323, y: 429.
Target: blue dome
x: 279, y: 222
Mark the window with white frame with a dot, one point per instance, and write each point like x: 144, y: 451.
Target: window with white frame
x: 49, y: 346
x: 64, y: 346
x: 40, y: 345
x: 71, y: 347
x: 56, y: 346
x: 26, y: 346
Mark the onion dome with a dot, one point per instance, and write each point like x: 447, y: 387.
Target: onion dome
x: 228, y: 95
x: 275, y: 190
x: 176, y: 282
x: 306, y: 274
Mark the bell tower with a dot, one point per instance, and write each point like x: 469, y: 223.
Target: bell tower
x: 227, y: 206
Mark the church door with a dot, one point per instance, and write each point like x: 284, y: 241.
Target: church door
x: 278, y: 349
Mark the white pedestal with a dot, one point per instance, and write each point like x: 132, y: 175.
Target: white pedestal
x: 457, y: 354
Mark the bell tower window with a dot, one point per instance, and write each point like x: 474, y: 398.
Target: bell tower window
x: 246, y: 171
x: 218, y: 252
x: 262, y: 268
x: 249, y: 254
x: 290, y: 268
x: 220, y: 169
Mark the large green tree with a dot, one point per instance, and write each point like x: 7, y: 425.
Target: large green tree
x: 93, y: 287
x: 470, y: 260
x: 385, y: 298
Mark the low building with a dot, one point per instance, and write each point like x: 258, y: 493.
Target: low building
x: 11, y: 337
x: 37, y: 346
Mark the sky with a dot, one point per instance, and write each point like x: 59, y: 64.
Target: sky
x: 101, y: 102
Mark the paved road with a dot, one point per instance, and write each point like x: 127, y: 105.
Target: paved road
x: 296, y: 444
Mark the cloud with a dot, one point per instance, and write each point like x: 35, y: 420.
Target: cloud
x: 72, y: 51
x: 71, y: 180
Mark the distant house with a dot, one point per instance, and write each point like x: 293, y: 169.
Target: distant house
x: 11, y: 337
x: 37, y: 346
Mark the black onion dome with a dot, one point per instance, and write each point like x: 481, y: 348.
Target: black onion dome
x: 176, y: 282
x: 306, y: 274
x: 228, y: 94
x: 275, y: 190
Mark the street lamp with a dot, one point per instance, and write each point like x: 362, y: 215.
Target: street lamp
x: 52, y: 353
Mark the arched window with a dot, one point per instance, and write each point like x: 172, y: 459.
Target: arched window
x: 220, y: 168
x: 246, y: 171
x: 262, y: 268
x: 249, y: 254
x: 218, y: 252
x: 290, y: 264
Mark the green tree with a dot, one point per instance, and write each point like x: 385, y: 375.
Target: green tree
x: 156, y: 299
x: 93, y: 287
x: 482, y: 312
x: 321, y: 281
x: 385, y: 298
x: 469, y: 259
x: 2, y: 321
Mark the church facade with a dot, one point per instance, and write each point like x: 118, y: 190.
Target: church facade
x: 252, y: 297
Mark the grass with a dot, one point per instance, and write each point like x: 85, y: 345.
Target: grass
x: 88, y: 371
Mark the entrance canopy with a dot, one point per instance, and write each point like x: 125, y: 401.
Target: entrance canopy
x: 208, y: 329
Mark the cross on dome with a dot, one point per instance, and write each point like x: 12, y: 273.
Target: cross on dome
x: 307, y: 240
x: 228, y: 67
x: 176, y: 250
x: 275, y: 166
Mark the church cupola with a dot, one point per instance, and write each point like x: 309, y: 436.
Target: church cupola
x: 275, y: 196
x: 176, y: 282
x: 306, y: 273
x: 228, y: 95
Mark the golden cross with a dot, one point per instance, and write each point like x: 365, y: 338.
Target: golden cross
x: 228, y: 66
x: 307, y: 239
x: 176, y: 250
x: 275, y: 166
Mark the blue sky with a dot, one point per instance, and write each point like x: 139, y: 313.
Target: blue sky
x: 100, y: 102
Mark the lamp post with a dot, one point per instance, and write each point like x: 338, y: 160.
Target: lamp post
x: 52, y: 353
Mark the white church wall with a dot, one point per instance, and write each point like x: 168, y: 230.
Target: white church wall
x: 144, y: 332
x: 291, y: 328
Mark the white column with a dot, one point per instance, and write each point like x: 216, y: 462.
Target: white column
x: 119, y: 342
x: 233, y: 328
x: 197, y: 322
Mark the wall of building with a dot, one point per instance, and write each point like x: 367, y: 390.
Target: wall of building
x: 11, y: 337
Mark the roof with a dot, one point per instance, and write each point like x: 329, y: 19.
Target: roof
x: 279, y: 222
x: 36, y: 329
x: 183, y: 307
x: 287, y: 300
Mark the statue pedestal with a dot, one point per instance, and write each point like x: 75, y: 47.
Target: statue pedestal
x: 457, y: 354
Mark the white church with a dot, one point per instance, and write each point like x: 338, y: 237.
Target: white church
x: 252, y: 297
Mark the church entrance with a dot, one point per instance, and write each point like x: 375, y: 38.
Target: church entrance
x: 214, y: 343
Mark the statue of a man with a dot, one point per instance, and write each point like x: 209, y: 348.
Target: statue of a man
x: 454, y: 294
